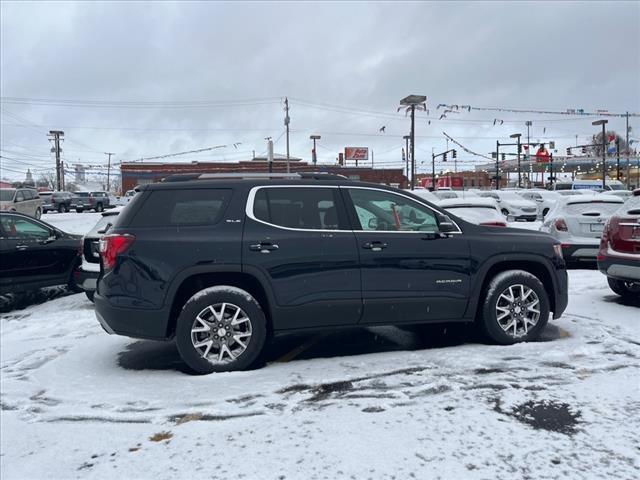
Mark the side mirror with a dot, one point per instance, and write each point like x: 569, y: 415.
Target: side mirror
x: 446, y: 225
x: 373, y: 224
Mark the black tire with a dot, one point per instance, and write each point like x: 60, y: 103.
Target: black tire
x: 505, y: 212
x: 79, y: 210
x: 89, y: 294
x: 99, y: 208
x: 213, y: 296
x: 627, y: 290
x: 61, y: 208
x: 544, y: 212
x: 497, y: 286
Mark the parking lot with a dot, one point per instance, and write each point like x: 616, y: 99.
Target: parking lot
x: 358, y: 403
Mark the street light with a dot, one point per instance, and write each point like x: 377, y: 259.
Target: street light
x: 604, y: 151
x: 314, y: 156
x: 412, y: 102
x: 406, y: 152
x: 518, y: 135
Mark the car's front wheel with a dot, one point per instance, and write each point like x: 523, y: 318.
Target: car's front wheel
x: 62, y: 208
x: 515, y: 308
x: 220, y: 329
x: 99, y: 208
x: 627, y: 290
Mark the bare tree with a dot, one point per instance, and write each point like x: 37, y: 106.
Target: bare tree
x: 596, y: 142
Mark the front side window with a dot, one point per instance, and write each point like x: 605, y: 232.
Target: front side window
x: 385, y: 211
x: 16, y: 227
x: 298, y: 207
x: 19, y: 196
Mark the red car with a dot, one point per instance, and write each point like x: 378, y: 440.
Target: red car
x: 619, y: 254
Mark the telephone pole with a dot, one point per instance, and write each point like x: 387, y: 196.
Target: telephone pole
x: 411, y: 102
x: 628, y: 166
x: 55, y: 135
x: 286, y: 124
x: 406, y: 153
x: 109, y: 170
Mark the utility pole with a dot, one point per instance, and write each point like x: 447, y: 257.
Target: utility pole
x: 517, y: 135
x: 628, y: 166
x: 269, y: 153
x: 433, y: 172
x: 604, y: 152
x: 314, y: 155
x: 617, y: 158
x: 497, y: 164
x: 55, y: 135
x: 286, y: 124
x: 372, y: 159
x: 109, y: 171
x: 62, y: 187
x: 406, y: 152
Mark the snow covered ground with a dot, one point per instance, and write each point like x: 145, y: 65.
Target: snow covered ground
x: 371, y: 403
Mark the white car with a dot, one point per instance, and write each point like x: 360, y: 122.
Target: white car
x: 426, y: 195
x: 481, y: 211
x: 577, y: 222
x: 446, y: 194
x: 623, y: 194
x: 513, y: 205
x: 545, y: 199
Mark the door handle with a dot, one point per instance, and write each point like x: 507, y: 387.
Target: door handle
x: 22, y: 247
x: 263, y: 247
x: 375, y: 246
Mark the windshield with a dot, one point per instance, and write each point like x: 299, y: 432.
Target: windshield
x: 81, y: 194
x: 6, y: 195
x: 616, y: 186
x: 510, y: 196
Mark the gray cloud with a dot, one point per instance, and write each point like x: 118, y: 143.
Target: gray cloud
x: 364, y: 56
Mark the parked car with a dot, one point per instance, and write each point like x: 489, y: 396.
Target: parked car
x: 623, y: 194
x: 447, y: 194
x: 589, y: 185
x: 97, y: 201
x: 578, y: 223
x: 21, y: 200
x: 425, y: 195
x: 545, y: 199
x: 87, y: 274
x: 481, y: 211
x: 35, y: 254
x: 513, y: 205
x: 619, y: 255
x: 569, y: 193
x: 57, y: 201
x: 217, y: 263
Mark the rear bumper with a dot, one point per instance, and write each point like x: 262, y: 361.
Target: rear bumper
x: 86, y: 280
x: 136, y: 323
x: 625, y: 269
x: 529, y: 217
x: 562, y: 293
x: 580, y: 252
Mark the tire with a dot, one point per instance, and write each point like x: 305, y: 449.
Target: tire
x: 61, y: 208
x: 38, y: 214
x: 90, y: 294
x: 208, y: 304
x: 515, y: 284
x: 99, y: 208
x: 505, y: 212
x: 79, y: 210
x: 627, y: 290
x: 544, y: 212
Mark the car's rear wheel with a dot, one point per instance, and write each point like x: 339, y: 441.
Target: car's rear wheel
x: 62, y: 208
x: 79, y: 210
x: 99, y: 207
x: 627, y: 290
x: 516, y: 308
x: 220, y: 329
x: 90, y: 294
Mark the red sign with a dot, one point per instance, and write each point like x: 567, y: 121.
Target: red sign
x: 542, y: 155
x: 356, y: 153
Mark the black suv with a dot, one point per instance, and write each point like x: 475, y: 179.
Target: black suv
x: 221, y: 263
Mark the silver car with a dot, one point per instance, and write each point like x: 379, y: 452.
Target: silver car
x: 513, y: 206
x: 578, y: 221
x: 21, y: 200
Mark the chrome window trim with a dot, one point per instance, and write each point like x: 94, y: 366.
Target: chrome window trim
x: 254, y: 190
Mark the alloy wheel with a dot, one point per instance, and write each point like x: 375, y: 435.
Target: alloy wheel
x: 518, y: 310
x: 221, y: 333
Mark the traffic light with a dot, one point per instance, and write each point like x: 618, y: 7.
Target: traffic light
x: 519, y: 148
x: 454, y: 154
x: 568, y: 151
x: 444, y: 157
x: 504, y: 157
x: 584, y: 149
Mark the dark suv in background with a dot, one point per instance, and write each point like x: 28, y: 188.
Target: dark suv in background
x: 97, y: 201
x: 220, y: 263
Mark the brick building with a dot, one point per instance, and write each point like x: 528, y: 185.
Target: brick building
x: 141, y: 173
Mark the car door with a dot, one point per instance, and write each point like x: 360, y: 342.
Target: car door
x: 28, y: 253
x: 298, y: 241
x: 410, y: 271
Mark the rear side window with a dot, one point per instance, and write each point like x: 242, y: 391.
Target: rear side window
x: 182, y: 207
x: 303, y: 208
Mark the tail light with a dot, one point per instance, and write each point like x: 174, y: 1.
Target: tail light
x: 113, y: 245
x: 494, y: 224
x: 623, y: 234
x: 561, y: 225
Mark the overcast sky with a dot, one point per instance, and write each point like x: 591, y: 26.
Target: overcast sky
x: 344, y: 67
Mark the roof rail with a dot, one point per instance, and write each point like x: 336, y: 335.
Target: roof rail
x: 185, y: 177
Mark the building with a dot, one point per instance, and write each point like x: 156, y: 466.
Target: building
x: 141, y: 173
x: 460, y: 180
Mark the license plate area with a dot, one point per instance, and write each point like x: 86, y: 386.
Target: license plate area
x: 596, y: 227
